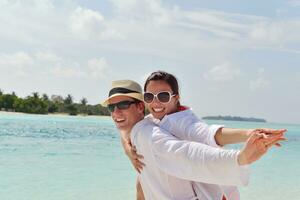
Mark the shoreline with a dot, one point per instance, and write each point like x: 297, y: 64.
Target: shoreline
x: 53, y: 114
x: 105, y: 116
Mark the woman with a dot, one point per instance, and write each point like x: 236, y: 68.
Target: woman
x: 162, y: 99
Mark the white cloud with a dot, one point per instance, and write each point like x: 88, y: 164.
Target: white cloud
x: 222, y: 73
x: 18, y: 59
x: 86, y: 22
x: 141, y: 26
x: 275, y: 33
x: 201, y: 30
x: 97, y: 67
x: 15, y: 64
x: 45, y: 63
x: 90, y: 25
x: 47, y: 57
x: 45, y: 24
x: 139, y: 9
x: 294, y: 3
x: 67, y: 72
x: 260, y: 82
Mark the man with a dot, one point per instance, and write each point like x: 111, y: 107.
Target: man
x: 172, y: 164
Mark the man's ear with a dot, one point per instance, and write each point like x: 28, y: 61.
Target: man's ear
x: 141, y: 107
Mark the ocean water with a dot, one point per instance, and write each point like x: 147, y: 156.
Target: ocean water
x: 74, y: 158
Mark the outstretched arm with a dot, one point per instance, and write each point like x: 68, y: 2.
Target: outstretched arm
x: 199, y: 162
x: 232, y: 136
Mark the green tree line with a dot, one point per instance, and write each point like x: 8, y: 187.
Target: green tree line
x: 43, y: 104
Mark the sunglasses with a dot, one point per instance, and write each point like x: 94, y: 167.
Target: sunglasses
x: 163, y: 97
x: 122, y: 105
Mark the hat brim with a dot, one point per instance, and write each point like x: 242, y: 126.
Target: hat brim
x: 137, y: 96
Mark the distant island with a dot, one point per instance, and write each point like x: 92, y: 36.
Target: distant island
x: 234, y: 118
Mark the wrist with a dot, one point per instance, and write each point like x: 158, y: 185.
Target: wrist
x: 242, y: 159
x: 248, y: 134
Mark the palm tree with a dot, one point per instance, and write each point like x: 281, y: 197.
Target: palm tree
x: 68, y: 100
x: 35, y: 95
x: 45, y: 97
x: 83, y: 101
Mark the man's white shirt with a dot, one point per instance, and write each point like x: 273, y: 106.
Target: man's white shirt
x: 185, y: 125
x: 173, y: 159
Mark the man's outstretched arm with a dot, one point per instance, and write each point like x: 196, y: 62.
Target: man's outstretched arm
x: 202, y: 163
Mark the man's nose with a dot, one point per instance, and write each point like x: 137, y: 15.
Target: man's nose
x: 117, y: 110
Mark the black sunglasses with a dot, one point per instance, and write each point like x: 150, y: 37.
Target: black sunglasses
x: 122, y: 105
x: 163, y: 97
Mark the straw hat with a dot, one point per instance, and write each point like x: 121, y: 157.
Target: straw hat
x: 127, y: 88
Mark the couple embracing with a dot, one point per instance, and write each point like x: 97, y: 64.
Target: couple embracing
x: 178, y: 156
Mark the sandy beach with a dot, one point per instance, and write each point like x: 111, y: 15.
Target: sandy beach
x: 54, y: 114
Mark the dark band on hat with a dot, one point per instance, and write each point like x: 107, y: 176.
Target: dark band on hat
x: 121, y: 90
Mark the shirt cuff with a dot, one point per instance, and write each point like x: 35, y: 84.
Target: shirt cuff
x: 243, y: 171
x: 212, y: 132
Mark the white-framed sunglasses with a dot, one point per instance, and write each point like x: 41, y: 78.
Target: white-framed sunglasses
x: 163, y: 96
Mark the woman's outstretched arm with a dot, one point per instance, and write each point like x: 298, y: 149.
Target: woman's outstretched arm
x: 232, y: 136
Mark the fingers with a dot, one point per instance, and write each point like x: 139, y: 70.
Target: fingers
x: 270, y: 140
x: 269, y: 145
x: 278, y: 144
x: 138, y: 170
x: 271, y: 131
x: 138, y: 156
x: 138, y: 165
x: 133, y: 148
x: 256, y: 135
x: 266, y: 144
x: 135, y: 159
x: 134, y: 154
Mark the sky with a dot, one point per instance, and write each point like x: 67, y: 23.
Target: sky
x: 237, y: 58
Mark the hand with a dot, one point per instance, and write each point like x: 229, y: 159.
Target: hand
x: 133, y: 156
x: 135, y: 160
x: 258, y: 144
x: 131, y: 153
x: 267, y: 132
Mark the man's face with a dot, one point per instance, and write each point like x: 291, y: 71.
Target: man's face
x: 125, y: 119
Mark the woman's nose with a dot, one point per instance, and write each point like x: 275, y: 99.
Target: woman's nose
x: 155, y: 101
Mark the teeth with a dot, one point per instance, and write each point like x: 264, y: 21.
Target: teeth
x: 119, y: 120
x: 158, y: 109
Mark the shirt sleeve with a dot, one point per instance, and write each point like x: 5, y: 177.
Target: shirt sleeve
x: 196, y: 161
x: 201, y: 132
x: 187, y: 126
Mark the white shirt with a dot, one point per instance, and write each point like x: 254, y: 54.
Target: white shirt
x: 170, y: 162
x: 156, y: 183
x: 185, y: 125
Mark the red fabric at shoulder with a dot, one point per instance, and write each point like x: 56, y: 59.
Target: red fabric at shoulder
x: 182, y: 108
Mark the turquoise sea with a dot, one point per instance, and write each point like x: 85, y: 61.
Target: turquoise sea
x: 80, y: 158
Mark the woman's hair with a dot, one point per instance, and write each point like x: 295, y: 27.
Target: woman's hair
x: 170, y: 79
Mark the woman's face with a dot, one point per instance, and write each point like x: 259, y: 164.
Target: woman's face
x: 157, y: 108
